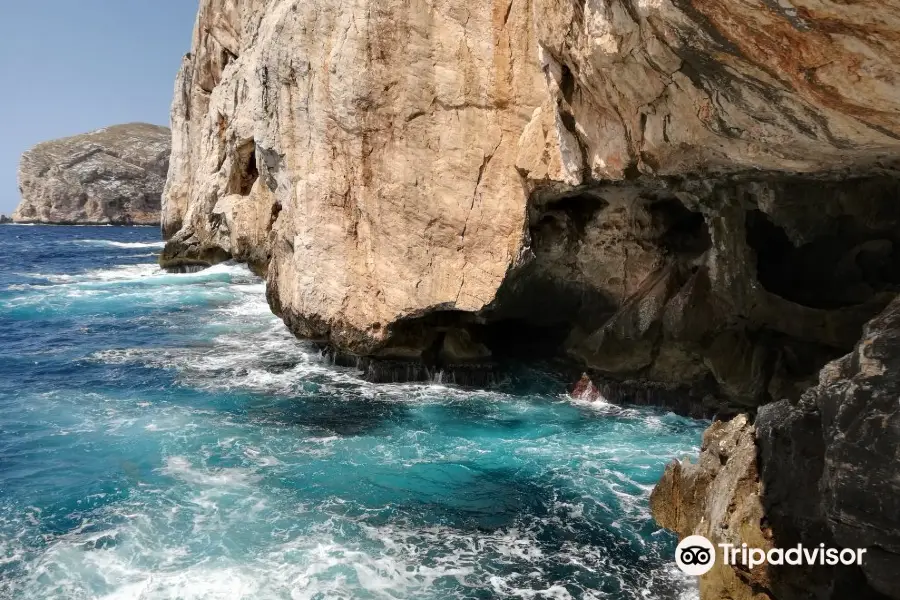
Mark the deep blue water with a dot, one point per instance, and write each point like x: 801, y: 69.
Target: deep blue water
x: 163, y: 436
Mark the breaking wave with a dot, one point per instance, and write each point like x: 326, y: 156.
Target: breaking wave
x: 117, y: 244
x: 170, y: 439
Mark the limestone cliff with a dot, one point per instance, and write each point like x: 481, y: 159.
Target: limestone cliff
x: 109, y: 176
x: 696, y: 193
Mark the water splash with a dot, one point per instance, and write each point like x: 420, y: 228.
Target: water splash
x: 170, y: 439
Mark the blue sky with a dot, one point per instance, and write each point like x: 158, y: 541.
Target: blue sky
x: 70, y: 66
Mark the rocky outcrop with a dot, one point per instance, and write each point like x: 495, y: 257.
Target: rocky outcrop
x: 825, y: 473
x: 113, y: 176
x: 719, y: 498
x: 699, y: 194
x: 692, y: 193
x: 4, y: 220
x: 841, y: 440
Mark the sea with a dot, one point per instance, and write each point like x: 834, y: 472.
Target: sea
x: 164, y: 436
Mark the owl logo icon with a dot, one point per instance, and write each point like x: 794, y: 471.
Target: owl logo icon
x: 695, y: 555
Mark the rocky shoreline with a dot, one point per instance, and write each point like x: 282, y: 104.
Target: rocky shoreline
x: 822, y: 470
x: 112, y: 176
x: 696, y: 200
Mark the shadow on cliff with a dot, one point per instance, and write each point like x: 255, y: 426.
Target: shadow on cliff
x: 805, y: 499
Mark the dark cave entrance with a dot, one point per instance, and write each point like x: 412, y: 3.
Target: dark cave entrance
x: 828, y: 248
x: 245, y: 171
x: 685, y: 233
x: 618, y: 282
x: 538, y: 308
x: 843, y: 256
x: 559, y: 297
x: 545, y: 307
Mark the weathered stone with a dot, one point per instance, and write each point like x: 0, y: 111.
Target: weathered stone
x: 701, y: 194
x: 540, y: 162
x: 458, y: 347
x: 586, y: 390
x: 841, y: 443
x: 825, y: 473
x: 719, y: 498
x: 628, y: 340
x: 109, y: 176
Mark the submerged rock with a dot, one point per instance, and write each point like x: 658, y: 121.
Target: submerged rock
x: 112, y: 176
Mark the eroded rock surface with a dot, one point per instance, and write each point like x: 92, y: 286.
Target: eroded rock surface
x: 698, y: 194
x: 718, y: 497
x: 821, y: 470
x: 113, y: 175
x: 841, y: 442
x: 701, y: 194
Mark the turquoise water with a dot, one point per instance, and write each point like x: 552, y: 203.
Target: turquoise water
x: 163, y: 436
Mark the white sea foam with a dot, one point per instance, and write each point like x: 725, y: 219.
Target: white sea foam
x: 180, y: 467
x: 117, y: 288
x: 118, y: 273
x: 178, y: 541
x: 114, y: 244
x: 221, y: 519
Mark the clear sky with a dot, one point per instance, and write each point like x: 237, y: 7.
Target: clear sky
x: 71, y: 66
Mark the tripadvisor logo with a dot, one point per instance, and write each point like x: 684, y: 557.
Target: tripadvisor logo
x: 696, y: 555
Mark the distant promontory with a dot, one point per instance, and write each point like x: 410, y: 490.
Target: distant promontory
x: 112, y: 176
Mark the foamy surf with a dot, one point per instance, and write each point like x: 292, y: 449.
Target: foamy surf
x: 170, y: 439
x: 116, y: 244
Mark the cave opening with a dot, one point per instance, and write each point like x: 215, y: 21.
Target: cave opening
x: 616, y: 280
x: 531, y: 318
x: 834, y: 270
x: 586, y: 246
x: 684, y: 232
x: 245, y: 171
x: 534, y: 315
x: 564, y: 217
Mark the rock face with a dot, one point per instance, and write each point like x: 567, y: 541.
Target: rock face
x: 719, y: 498
x: 701, y: 194
x: 825, y: 473
x: 114, y: 176
x: 842, y: 439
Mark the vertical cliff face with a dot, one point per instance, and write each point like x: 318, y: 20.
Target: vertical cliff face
x: 701, y: 194
x: 362, y: 154
x: 695, y: 193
